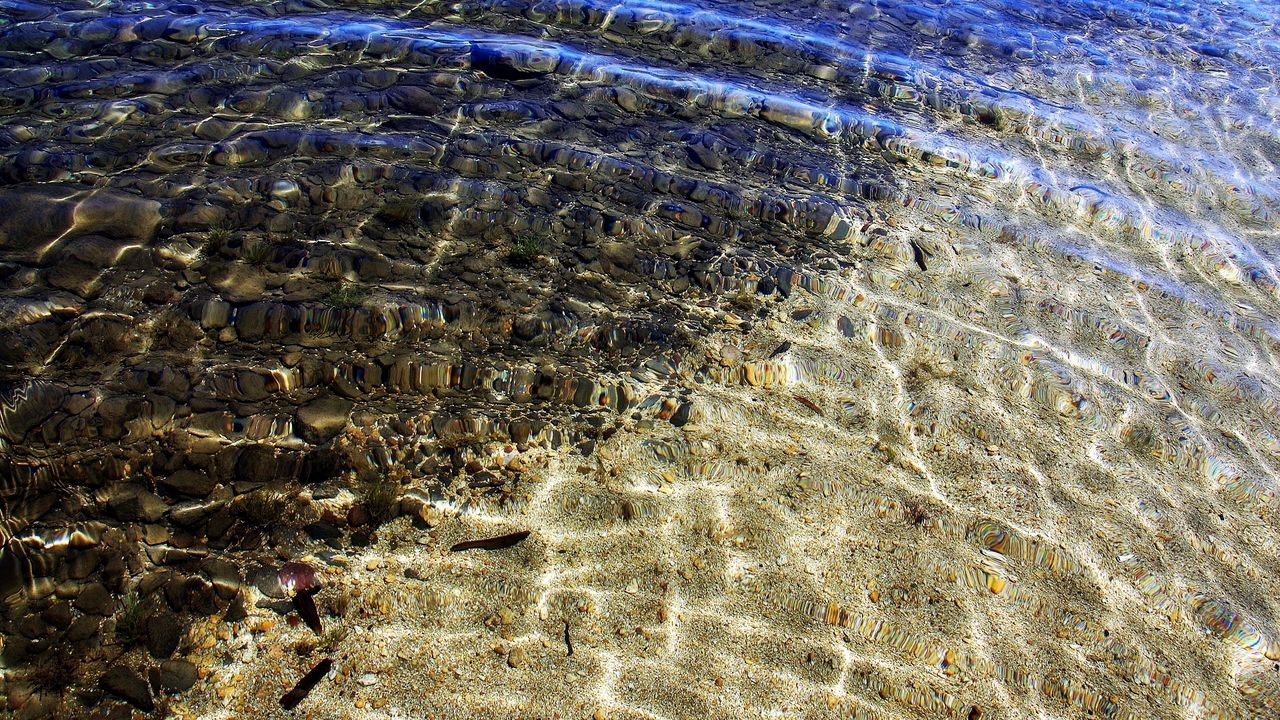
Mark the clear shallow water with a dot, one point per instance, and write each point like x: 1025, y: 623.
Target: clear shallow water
x: 865, y: 360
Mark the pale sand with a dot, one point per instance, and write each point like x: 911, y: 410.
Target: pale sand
x: 992, y: 555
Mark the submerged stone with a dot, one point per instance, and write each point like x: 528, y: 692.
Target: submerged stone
x: 126, y: 685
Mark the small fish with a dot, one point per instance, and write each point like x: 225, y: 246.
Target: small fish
x: 919, y: 255
x: 785, y: 346
x: 567, y: 641
x: 306, y: 684
x: 809, y: 404
x: 306, y: 608
x: 493, y: 543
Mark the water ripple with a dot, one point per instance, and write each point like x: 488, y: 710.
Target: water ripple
x: 836, y: 357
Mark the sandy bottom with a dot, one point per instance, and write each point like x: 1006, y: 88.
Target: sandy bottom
x: 808, y: 545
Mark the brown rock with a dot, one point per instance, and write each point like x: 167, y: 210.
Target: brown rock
x: 188, y: 482
x: 95, y: 599
x: 236, y: 282
x: 320, y: 420
x: 31, y: 217
x: 177, y: 675
x: 126, y: 685
x: 358, y: 515
x: 76, y: 277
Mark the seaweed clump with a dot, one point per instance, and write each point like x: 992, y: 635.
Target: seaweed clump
x: 263, y: 508
x: 381, y: 497
x: 346, y: 295
x: 525, y: 250
x: 129, y: 621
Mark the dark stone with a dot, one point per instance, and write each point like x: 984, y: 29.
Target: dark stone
x: 133, y: 502
x: 95, y: 599
x: 33, y: 626
x: 126, y: 685
x: 509, y: 63
x: 38, y: 706
x: 238, y: 609
x: 81, y: 564
x: 155, y: 534
x: 526, y: 329
x: 38, y: 647
x: 153, y: 581
x: 188, y: 482
x: 16, y: 650
x: 58, y: 615
x: 177, y: 675
x: 32, y: 216
x: 319, y: 466
x: 219, y: 524
x: 322, y: 531
x: 374, y: 268
x: 358, y: 515
x: 681, y: 415
x: 618, y: 255
x: 84, y: 627
x: 27, y: 344
x: 114, y: 570
x: 785, y: 276
x: 28, y: 408
x: 251, y: 321
x: 268, y: 583
x: 175, y: 556
x: 224, y: 575
x: 163, y: 633
x: 320, y: 420
x: 704, y: 156
x: 193, y: 512
x: 191, y: 593
x: 257, y: 464
x: 81, y: 278
x: 413, y: 100
x: 521, y: 430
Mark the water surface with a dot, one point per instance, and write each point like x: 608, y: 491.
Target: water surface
x: 873, y: 360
